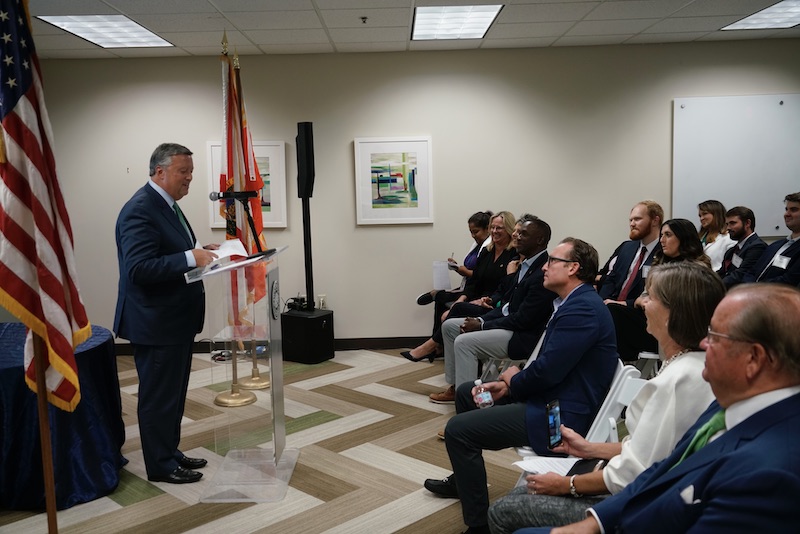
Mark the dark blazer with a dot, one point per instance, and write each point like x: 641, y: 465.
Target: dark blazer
x: 747, y: 480
x: 614, y: 280
x: 155, y: 305
x: 790, y: 275
x: 575, y: 366
x: 487, y: 273
x: 529, y: 307
x: 749, y: 253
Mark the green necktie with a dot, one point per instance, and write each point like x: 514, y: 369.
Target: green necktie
x: 181, y: 218
x: 704, y: 433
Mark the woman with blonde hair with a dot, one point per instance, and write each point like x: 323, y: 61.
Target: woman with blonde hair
x: 489, y: 270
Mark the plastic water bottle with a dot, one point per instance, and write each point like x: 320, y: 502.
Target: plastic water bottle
x: 483, y: 398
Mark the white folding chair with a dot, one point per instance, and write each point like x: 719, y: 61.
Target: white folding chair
x: 624, y: 387
x: 648, y: 363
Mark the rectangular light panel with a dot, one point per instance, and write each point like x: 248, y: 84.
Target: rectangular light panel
x: 784, y: 14
x: 108, y: 31
x: 453, y: 22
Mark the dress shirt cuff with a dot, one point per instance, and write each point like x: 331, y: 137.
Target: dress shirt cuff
x: 190, y: 261
x: 481, y: 320
x: 591, y: 513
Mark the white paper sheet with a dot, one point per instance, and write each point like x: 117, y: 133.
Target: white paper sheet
x: 545, y: 464
x: 441, y: 276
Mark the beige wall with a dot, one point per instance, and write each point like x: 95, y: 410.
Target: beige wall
x: 574, y: 135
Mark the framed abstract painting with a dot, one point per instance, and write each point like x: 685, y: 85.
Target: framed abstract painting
x: 271, y: 161
x: 394, y: 182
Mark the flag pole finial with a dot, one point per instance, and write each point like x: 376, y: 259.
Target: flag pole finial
x: 224, y: 42
x: 236, y: 60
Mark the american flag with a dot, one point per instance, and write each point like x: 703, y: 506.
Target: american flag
x: 38, y: 282
x: 239, y: 172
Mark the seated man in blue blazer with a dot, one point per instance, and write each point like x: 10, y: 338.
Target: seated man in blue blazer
x: 780, y: 262
x: 738, y: 260
x: 746, y: 478
x: 575, y: 365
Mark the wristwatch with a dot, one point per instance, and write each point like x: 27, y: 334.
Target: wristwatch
x: 572, y: 490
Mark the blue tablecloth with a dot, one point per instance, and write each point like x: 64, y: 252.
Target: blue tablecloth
x: 86, y: 443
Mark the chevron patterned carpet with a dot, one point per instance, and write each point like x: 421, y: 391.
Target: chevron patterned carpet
x: 367, y: 440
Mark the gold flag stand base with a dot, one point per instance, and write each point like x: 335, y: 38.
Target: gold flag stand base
x: 235, y: 398
x: 255, y: 382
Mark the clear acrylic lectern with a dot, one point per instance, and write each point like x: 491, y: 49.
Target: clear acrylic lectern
x: 258, y: 474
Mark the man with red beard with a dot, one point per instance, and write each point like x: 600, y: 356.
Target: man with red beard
x: 625, y: 278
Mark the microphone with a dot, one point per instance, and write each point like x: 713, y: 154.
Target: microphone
x: 236, y: 195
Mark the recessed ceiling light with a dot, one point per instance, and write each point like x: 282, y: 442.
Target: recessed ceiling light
x: 782, y: 15
x: 108, y: 31
x: 453, y: 22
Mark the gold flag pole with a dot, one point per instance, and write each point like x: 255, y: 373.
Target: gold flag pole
x: 256, y: 381
x: 235, y: 397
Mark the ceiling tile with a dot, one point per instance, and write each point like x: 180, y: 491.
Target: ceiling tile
x: 611, y: 27
x: 532, y: 29
x: 275, y: 20
x: 294, y: 37
x: 636, y: 10
x: 591, y: 40
x: 694, y: 24
x: 366, y: 35
x: 546, y: 12
x: 710, y: 8
x: 376, y: 18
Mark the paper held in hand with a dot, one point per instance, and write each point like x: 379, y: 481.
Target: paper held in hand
x: 441, y: 276
x: 544, y: 464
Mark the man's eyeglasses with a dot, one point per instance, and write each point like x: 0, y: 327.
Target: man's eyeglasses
x: 713, y: 337
x: 551, y: 259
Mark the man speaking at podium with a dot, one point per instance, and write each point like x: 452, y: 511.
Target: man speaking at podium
x: 157, y: 311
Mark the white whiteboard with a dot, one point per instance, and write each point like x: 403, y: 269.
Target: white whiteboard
x: 740, y: 150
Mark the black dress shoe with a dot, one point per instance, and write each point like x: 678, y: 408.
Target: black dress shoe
x: 444, y: 488
x: 407, y: 355
x: 425, y: 299
x: 179, y: 476
x: 192, y: 463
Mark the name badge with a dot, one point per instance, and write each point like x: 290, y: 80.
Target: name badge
x: 781, y: 262
x: 645, y: 270
x: 736, y: 260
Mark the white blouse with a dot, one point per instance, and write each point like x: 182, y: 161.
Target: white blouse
x: 659, y: 415
x: 716, y: 250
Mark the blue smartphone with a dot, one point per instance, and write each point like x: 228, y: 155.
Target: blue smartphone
x: 553, y: 424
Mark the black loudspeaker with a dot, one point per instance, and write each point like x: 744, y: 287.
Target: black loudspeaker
x: 305, y: 160
x: 307, y: 335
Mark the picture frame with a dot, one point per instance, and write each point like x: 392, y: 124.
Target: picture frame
x: 271, y: 161
x: 394, y: 180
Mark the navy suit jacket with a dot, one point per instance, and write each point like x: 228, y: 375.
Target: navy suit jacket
x: 575, y: 366
x: 790, y: 275
x: 529, y: 307
x: 614, y: 280
x: 155, y: 305
x: 747, y: 480
x: 749, y: 253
